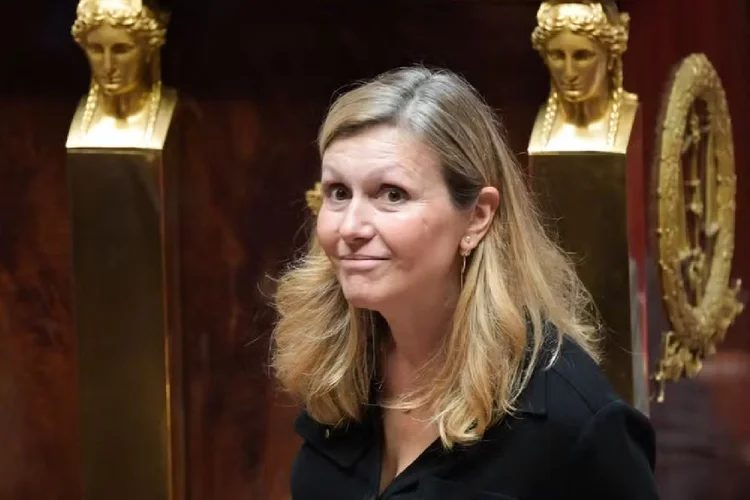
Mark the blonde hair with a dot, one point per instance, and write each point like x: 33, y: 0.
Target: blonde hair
x: 324, y: 350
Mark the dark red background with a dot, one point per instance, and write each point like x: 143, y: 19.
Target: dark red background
x: 257, y: 78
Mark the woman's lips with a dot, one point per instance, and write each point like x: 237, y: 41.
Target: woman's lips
x: 360, y: 262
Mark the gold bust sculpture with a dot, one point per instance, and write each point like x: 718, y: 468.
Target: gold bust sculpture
x: 581, y: 43
x: 126, y: 106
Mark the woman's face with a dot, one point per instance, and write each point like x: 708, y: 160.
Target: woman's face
x: 578, y: 66
x: 387, y: 221
x: 117, y: 60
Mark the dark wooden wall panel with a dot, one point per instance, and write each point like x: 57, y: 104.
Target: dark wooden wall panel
x: 38, y: 397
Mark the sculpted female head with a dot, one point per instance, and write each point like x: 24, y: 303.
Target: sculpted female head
x: 416, y: 174
x: 582, y: 43
x: 121, y: 39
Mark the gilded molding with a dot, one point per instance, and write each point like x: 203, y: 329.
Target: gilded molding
x: 696, y: 212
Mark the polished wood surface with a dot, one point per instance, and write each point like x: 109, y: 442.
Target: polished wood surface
x: 39, y: 455
x: 257, y: 79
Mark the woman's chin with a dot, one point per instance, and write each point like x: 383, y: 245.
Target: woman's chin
x: 371, y: 294
x: 362, y: 301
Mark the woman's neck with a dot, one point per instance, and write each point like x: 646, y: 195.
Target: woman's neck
x: 416, y: 334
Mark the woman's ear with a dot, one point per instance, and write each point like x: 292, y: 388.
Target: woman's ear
x: 484, y: 211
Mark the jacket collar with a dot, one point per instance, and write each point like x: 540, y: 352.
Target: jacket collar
x: 533, y: 399
x: 345, y: 444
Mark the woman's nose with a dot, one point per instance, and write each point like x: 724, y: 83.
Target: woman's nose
x: 356, y: 225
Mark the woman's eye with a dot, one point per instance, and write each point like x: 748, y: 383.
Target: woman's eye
x: 337, y: 192
x: 394, y: 194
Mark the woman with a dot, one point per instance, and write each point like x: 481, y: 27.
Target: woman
x: 437, y: 337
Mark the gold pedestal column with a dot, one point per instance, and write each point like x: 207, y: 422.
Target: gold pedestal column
x: 584, y: 198
x: 122, y: 186
x: 126, y: 324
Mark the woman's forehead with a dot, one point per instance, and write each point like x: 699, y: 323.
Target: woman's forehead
x: 380, y: 150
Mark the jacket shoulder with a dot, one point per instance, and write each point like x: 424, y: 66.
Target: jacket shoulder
x: 574, y: 379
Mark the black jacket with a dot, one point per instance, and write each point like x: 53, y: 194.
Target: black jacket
x: 572, y: 439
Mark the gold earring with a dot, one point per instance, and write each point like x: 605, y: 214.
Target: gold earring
x: 463, y: 270
x: 465, y: 253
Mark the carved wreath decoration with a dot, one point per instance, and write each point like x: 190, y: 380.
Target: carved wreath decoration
x: 696, y: 211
